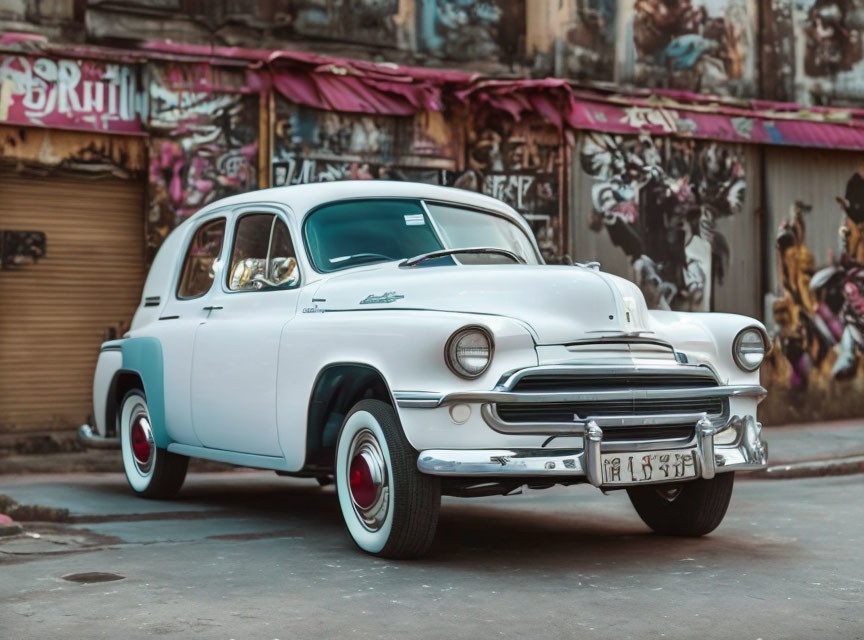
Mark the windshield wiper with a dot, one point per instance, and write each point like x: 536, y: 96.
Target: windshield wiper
x: 413, y: 262
x: 360, y: 257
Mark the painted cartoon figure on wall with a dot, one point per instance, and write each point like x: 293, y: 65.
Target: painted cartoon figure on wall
x: 699, y: 45
x: 659, y: 201
x: 820, y: 317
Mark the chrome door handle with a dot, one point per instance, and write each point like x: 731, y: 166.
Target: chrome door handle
x: 212, y: 308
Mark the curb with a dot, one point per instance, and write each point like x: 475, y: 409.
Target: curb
x: 812, y: 469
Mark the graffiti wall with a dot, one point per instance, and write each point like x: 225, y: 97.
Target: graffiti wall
x: 310, y: 145
x: 697, y: 45
x: 470, y: 30
x: 376, y: 22
x: 829, y: 51
x: 515, y: 162
x: 572, y: 38
x: 71, y: 94
x: 203, y: 146
x: 669, y: 214
x: 519, y: 163
x: 815, y: 312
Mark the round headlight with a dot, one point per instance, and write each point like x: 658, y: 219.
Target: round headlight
x: 749, y: 349
x: 469, y: 352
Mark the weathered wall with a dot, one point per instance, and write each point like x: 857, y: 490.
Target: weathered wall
x: 518, y: 162
x: 679, y: 217
x: 203, y: 145
x: 815, y: 306
x: 813, y: 51
x: 42, y: 150
x: 310, y: 145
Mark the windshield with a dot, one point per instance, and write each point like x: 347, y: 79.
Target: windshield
x: 353, y: 232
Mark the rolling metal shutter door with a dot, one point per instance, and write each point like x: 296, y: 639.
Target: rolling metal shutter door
x: 55, y: 314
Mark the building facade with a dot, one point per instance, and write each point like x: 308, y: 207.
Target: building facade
x: 711, y: 150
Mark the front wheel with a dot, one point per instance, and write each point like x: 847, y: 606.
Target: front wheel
x: 689, y: 509
x: 389, y: 507
x: 151, y: 472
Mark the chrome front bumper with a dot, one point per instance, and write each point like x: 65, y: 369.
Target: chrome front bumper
x: 748, y: 452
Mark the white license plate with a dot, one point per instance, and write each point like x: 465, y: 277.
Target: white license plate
x: 648, y: 466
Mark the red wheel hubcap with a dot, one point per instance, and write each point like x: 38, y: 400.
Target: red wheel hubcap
x: 140, y: 446
x: 360, y: 480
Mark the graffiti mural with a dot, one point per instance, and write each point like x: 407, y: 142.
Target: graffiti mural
x: 659, y: 200
x: 71, y: 94
x: 362, y: 21
x: 828, y: 37
x: 589, y: 40
x: 204, y: 146
x: 819, y: 317
x: 697, y: 45
x: 321, y: 146
x: 470, y: 29
x: 517, y: 162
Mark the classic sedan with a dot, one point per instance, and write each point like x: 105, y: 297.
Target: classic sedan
x: 406, y: 341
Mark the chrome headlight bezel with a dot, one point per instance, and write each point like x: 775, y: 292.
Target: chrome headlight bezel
x: 450, y: 351
x: 739, y: 356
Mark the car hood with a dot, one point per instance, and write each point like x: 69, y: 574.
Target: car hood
x: 560, y: 303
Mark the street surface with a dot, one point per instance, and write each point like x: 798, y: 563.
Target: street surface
x: 252, y: 555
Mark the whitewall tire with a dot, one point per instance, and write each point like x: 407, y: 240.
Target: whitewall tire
x: 389, y: 507
x: 151, y: 472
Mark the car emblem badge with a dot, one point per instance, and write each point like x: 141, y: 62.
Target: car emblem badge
x: 384, y: 298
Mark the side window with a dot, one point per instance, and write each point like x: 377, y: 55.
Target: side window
x: 263, y: 256
x: 205, y: 248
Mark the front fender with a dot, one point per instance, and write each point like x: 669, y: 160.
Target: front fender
x: 708, y: 338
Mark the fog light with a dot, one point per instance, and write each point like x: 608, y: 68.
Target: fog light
x: 459, y: 413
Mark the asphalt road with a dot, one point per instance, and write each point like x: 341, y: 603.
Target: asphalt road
x: 252, y: 555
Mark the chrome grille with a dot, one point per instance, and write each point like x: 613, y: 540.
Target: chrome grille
x: 569, y: 382
x: 570, y: 411
x: 639, y: 405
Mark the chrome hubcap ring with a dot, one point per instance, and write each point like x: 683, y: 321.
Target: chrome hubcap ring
x: 368, y: 482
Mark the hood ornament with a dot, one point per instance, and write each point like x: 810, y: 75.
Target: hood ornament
x: 384, y: 298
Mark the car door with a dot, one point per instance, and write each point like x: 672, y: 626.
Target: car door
x: 235, y: 355
x: 179, y: 318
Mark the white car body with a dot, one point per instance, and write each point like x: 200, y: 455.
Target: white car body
x: 241, y: 376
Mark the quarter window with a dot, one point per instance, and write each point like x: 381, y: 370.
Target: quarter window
x: 205, y: 248
x: 263, y: 255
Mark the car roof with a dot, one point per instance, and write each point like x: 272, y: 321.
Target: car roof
x: 302, y: 198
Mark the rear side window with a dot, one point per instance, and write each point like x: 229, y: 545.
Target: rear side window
x: 205, y: 248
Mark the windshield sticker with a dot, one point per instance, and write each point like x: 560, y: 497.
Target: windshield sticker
x: 414, y: 220
x: 384, y: 298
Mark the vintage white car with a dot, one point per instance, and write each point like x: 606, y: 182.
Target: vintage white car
x: 408, y: 341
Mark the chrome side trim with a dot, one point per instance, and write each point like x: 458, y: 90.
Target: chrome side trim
x: 661, y: 393
x: 417, y: 399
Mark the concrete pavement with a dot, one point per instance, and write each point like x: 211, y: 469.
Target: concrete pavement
x: 252, y: 555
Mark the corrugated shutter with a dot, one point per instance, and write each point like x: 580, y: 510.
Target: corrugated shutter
x: 55, y: 313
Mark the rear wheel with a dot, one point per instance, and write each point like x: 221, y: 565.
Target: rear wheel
x: 389, y: 507
x: 151, y: 472
x: 686, y: 508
